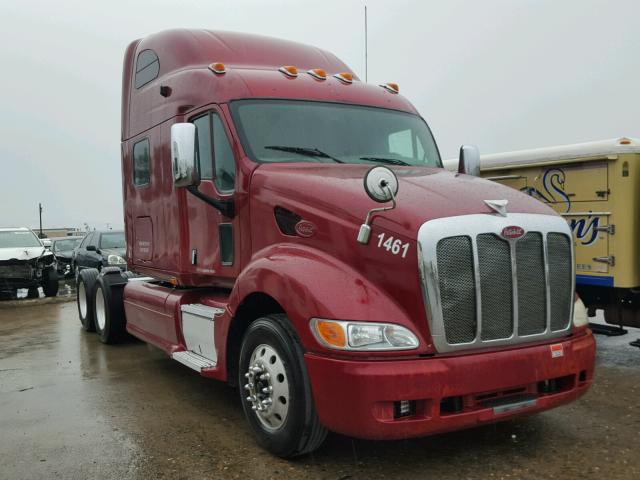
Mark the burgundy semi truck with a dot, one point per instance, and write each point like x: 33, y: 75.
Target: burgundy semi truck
x: 290, y: 231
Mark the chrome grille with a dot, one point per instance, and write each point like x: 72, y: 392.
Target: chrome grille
x: 483, y: 290
x: 457, y: 288
x: 532, y: 291
x: 560, y: 271
x: 494, y: 260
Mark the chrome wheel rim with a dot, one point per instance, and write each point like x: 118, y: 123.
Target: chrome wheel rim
x: 82, y: 300
x: 101, y: 317
x: 267, y: 387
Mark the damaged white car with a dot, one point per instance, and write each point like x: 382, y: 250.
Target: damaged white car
x: 26, y: 263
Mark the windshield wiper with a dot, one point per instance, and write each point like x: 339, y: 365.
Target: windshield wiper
x: 306, y: 151
x: 390, y: 161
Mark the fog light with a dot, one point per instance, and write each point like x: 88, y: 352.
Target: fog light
x: 404, y: 408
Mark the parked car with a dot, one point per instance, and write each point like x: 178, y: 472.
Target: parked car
x: 63, y: 248
x: 26, y: 263
x: 100, y: 249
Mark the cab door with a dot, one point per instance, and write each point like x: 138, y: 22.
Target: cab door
x: 211, y: 233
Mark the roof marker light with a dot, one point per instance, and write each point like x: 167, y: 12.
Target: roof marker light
x: 218, y: 68
x: 624, y: 141
x: 391, y: 87
x: 344, y: 77
x: 318, y: 73
x: 289, y: 71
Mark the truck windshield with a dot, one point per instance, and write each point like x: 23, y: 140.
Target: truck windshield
x: 306, y: 131
x: 18, y: 239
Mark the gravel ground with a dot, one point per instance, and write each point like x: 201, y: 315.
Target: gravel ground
x: 71, y: 407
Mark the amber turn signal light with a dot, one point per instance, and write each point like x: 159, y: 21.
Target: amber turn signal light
x: 318, y: 73
x: 331, y: 333
x: 218, y: 68
x: 289, y: 71
x: 344, y: 77
x: 391, y: 87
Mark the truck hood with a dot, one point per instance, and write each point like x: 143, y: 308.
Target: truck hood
x: 424, y: 193
x: 24, y: 253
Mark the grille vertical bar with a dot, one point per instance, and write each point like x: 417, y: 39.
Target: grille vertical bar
x: 532, y: 291
x: 560, y: 273
x: 457, y: 288
x: 494, y: 258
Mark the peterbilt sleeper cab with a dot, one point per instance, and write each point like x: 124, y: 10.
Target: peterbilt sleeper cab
x: 292, y: 232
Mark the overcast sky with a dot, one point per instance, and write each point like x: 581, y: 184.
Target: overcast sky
x: 503, y: 75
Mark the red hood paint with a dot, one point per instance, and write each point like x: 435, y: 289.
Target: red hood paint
x: 424, y: 193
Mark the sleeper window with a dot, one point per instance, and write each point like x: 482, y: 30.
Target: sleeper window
x: 141, y: 163
x: 147, y: 67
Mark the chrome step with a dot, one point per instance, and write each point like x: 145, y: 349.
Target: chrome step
x: 202, y: 310
x: 193, y: 360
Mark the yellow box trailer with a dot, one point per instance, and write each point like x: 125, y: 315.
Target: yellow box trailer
x: 596, y: 187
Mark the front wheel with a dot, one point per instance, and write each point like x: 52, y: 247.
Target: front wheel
x: 50, y: 283
x: 275, y: 389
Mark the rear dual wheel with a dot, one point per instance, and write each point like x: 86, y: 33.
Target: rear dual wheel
x: 109, y: 307
x: 85, y: 284
x: 275, y: 389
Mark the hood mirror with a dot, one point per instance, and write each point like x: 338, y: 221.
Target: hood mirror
x: 469, y: 162
x: 381, y: 184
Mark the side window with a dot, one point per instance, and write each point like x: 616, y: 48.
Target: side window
x: 141, y: 163
x: 223, y: 154
x: 147, y: 67
x: 203, y: 145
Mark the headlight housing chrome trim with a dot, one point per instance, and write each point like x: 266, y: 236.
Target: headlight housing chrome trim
x: 363, y: 336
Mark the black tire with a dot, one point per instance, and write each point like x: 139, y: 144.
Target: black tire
x: 33, y: 292
x: 301, y: 431
x: 109, y: 307
x: 50, y: 283
x: 84, y: 298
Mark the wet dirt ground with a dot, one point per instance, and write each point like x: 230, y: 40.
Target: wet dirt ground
x: 71, y: 407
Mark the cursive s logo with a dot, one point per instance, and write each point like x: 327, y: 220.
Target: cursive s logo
x: 552, y: 191
x: 512, y: 232
x: 305, y: 228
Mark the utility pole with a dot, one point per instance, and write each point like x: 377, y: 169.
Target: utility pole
x: 366, y: 69
x: 40, y: 210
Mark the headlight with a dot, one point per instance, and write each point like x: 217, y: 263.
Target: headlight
x: 116, y: 260
x: 363, y: 335
x: 580, y: 317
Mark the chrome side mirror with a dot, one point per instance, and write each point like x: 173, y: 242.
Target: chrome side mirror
x: 469, y: 162
x: 183, y: 155
x: 381, y: 184
x: 46, y: 243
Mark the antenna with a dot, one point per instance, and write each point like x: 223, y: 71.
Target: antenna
x: 366, y: 76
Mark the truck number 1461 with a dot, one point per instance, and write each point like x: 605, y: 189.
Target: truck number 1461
x: 392, y: 245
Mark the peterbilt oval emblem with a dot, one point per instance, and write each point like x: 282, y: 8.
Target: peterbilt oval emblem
x: 512, y: 232
x: 305, y: 228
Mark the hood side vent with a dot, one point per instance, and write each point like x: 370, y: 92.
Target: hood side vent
x: 286, y: 221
